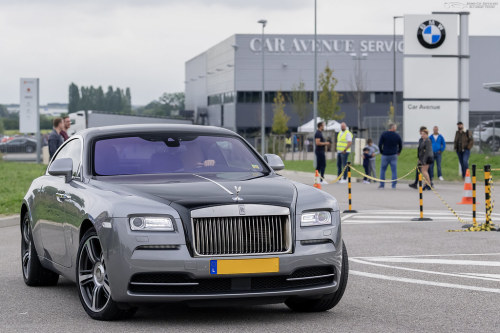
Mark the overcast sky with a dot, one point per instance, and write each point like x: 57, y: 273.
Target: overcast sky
x: 143, y: 44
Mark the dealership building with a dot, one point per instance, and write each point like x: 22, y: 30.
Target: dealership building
x: 223, y: 84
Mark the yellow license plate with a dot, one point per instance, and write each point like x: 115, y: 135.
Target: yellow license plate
x: 244, y: 266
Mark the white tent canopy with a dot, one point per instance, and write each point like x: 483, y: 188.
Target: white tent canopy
x: 309, y: 126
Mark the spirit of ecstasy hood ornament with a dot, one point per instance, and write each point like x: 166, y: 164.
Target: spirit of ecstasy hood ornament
x: 237, y: 198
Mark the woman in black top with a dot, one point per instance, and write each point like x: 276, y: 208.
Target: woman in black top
x: 425, y: 156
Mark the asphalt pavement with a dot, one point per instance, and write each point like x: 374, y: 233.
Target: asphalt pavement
x: 405, y: 276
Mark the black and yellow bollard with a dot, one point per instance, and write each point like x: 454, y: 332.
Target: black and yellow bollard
x: 421, y: 197
x: 487, y: 226
x: 474, y: 202
x: 350, y: 210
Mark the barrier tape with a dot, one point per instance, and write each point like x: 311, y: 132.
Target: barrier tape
x: 442, y: 200
x: 487, y: 225
x: 383, y: 180
x: 338, y: 178
x: 483, y: 227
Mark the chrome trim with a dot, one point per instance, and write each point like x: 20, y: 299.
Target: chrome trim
x: 233, y: 234
x: 310, y: 277
x: 233, y: 210
x: 179, y: 284
x: 213, y: 181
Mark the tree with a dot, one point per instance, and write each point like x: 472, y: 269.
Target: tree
x: 85, y: 99
x: 280, y: 118
x: 100, y: 100
x: 108, y: 99
x: 300, y: 101
x: 164, y: 105
x: 329, y: 99
x: 172, y: 102
x: 128, y: 101
x: 2, y: 129
x: 74, y: 98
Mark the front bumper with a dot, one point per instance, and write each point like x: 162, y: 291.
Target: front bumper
x: 124, y: 261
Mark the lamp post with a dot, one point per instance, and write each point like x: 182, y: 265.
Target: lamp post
x: 263, y: 105
x: 394, y: 63
x: 315, y: 93
x: 358, y: 82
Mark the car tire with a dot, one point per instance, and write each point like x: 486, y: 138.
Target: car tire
x: 29, y: 149
x: 326, y: 302
x: 494, y: 143
x: 34, y: 274
x: 94, y: 289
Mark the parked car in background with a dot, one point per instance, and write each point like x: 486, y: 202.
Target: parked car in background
x: 179, y: 213
x: 5, y: 139
x: 18, y: 145
x: 487, y: 134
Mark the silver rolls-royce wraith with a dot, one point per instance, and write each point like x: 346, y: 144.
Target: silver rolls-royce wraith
x: 179, y: 213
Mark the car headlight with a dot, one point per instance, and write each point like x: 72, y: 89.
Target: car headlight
x: 156, y: 223
x: 309, y: 219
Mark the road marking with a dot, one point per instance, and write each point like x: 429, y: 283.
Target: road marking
x: 423, y: 282
x: 436, y: 261
x: 439, y: 212
x: 472, y: 276
x: 436, y: 255
x: 345, y: 217
x: 398, y: 217
x: 495, y: 277
x: 394, y: 222
x: 405, y: 216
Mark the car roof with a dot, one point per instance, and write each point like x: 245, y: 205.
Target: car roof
x: 154, y: 128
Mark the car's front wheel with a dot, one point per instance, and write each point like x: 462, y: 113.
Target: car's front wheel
x: 93, y: 284
x: 494, y: 143
x: 326, y: 302
x: 34, y: 274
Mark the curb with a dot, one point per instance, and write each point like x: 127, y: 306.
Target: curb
x: 9, y: 221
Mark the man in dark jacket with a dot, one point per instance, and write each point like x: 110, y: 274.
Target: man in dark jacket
x: 55, y: 138
x: 415, y: 183
x: 66, y: 126
x: 390, y: 146
x: 463, y: 144
x: 320, y: 151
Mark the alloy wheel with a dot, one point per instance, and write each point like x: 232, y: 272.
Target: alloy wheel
x: 92, y: 277
x: 26, y: 248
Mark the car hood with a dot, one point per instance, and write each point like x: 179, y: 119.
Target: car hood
x: 193, y: 191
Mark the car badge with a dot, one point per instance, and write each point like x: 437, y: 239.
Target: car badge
x: 242, y: 209
x: 237, y: 198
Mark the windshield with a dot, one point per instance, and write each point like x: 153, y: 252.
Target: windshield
x: 152, y: 154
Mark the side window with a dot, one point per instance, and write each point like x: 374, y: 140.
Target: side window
x: 72, y: 150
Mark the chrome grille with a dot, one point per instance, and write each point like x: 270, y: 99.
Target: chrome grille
x: 236, y: 235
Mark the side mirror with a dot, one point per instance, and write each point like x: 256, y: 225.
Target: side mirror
x: 274, y: 161
x: 62, y: 167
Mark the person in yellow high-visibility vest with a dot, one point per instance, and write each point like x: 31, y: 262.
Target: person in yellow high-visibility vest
x: 344, y: 143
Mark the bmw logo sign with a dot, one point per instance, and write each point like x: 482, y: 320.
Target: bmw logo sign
x: 431, y: 34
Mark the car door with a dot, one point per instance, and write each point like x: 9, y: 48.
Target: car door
x: 15, y: 146
x: 53, y: 208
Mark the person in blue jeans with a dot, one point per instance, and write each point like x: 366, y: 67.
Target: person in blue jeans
x: 390, y: 145
x: 438, y: 147
x: 462, y: 144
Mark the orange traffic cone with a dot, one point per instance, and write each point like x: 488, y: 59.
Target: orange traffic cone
x: 467, y: 198
x: 317, y: 184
